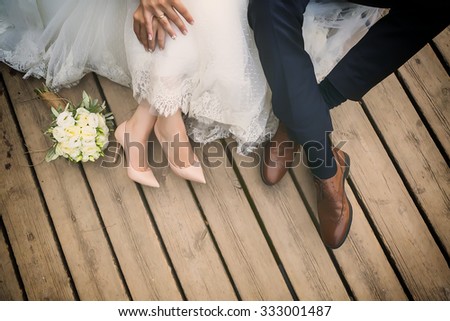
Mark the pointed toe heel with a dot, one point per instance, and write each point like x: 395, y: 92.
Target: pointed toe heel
x: 193, y: 172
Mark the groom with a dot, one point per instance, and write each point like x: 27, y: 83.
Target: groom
x: 299, y: 102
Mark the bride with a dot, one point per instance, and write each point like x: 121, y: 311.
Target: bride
x: 207, y: 84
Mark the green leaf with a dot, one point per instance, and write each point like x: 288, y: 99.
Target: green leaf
x: 55, y: 112
x: 51, y: 155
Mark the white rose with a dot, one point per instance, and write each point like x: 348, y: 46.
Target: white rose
x: 90, y: 153
x: 81, y: 111
x: 59, y: 134
x: 88, y: 133
x: 102, y: 141
x: 68, y: 150
x: 89, y: 150
x: 65, y: 119
x: 72, y: 131
x: 83, y: 120
x: 93, y: 120
x: 101, y: 120
x: 75, y: 155
x: 74, y: 142
x: 88, y: 142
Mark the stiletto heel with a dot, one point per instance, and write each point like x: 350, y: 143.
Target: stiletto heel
x: 193, y: 172
x: 142, y: 177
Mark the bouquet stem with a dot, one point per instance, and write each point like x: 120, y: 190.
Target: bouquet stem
x: 50, y: 98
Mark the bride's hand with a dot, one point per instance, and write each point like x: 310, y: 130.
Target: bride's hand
x: 165, y: 11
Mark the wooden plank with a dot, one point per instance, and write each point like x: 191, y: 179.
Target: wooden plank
x: 442, y: 42
x: 138, y: 249
x: 9, y: 284
x: 236, y: 230
x: 36, y: 250
x: 189, y: 244
x: 361, y: 258
x: 71, y: 207
x: 429, y: 84
x: 293, y: 234
x: 414, y: 151
x: 397, y: 220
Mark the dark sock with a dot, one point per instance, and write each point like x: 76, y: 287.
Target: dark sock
x: 330, y: 94
x: 320, y: 158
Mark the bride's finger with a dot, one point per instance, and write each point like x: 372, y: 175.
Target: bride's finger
x: 149, y: 24
x: 161, y: 38
x: 164, y: 21
x: 174, y: 16
x: 184, y: 12
x: 137, y: 29
x: 144, y: 37
x: 155, y: 26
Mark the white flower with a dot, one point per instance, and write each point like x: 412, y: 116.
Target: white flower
x: 90, y: 153
x: 102, y: 124
x: 89, y: 142
x: 75, y: 155
x: 83, y: 120
x: 101, y: 121
x: 81, y: 111
x: 90, y: 150
x: 59, y: 134
x: 68, y: 149
x: 93, y: 120
x: 65, y: 119
x: 74, y: 142
x: 88, y: 133
x: 102, y: 141
x: 72, y: 131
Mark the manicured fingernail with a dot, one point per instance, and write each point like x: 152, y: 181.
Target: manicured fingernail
x: 192, y: 22
x: 174, y: 37
x: 150, y: 37
x: 185, y: 32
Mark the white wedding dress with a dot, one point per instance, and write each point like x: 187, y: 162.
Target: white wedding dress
x: 213, y: 74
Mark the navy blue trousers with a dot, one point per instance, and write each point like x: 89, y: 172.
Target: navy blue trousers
x: 297, y: 100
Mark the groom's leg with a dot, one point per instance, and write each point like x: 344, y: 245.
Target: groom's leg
x: 296, y: 100
x: 388, y: 45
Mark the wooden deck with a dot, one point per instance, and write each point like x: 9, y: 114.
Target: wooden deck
x: 70, y: 232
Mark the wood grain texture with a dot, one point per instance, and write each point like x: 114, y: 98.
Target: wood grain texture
x: 443, y: 44
x: 69, y: 201
x: 414, y: 151
x: 390, y: 207
x: 361, y: 258
x: 429, y: 85
x: 127, y: 222
x: 293, y: 234
x: 236, y: 230
x: 9, y: 284
x: 23, y: 212
x: 183, y: 230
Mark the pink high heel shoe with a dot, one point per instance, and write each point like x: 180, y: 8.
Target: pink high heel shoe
x: 145, y: 177
x: 192, y: 172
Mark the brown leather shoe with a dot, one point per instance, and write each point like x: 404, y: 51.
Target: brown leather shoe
x: 279, y: 155
x: 335, y: 210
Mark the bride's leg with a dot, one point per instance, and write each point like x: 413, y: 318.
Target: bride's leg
x: 138, y: 129
x: 171, y: 133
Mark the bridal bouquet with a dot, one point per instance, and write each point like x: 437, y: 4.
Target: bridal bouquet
x: 79, y: 132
